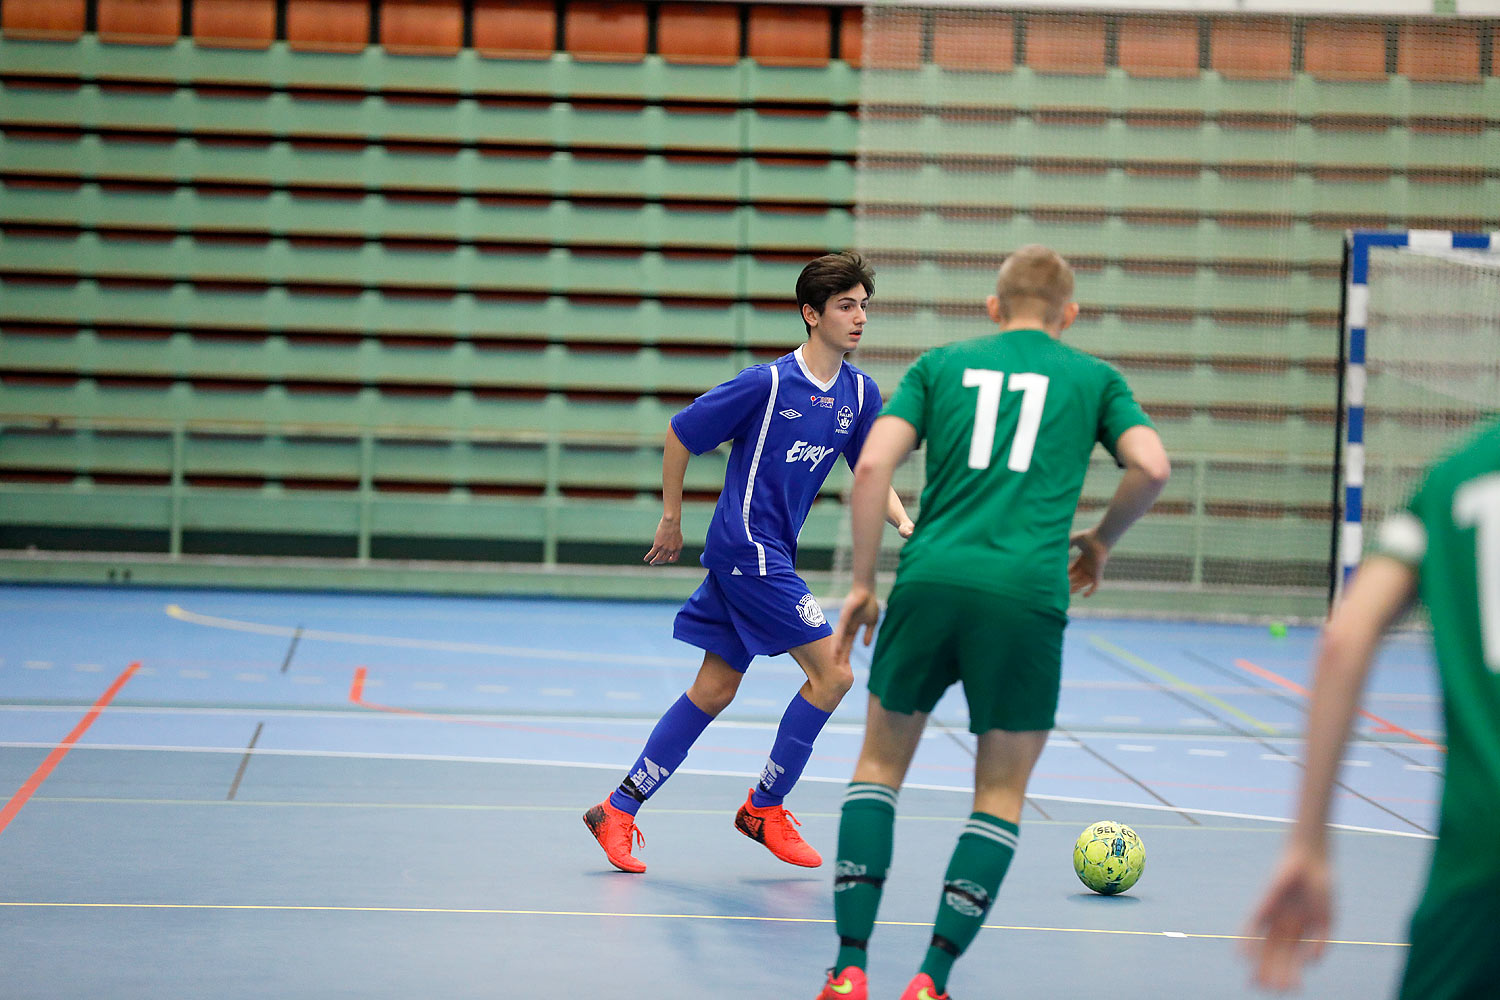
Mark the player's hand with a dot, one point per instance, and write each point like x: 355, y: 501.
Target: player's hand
x: 1290, y: 927
x: 1087, y: 568
x: 905, y: 528
x: 861, y: 608
x: 667, y: 545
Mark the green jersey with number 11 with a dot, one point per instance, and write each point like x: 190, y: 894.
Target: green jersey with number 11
x: 1010, y: 421
x: 1450, y: 534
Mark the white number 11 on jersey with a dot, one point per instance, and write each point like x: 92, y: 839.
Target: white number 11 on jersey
x: 1033, y: 388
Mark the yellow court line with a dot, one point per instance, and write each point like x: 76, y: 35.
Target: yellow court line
x: 1177, y: 682
x: 478, y: 911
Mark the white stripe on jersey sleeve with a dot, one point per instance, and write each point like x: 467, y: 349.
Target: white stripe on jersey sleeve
x: 760, y: 444
x: 860, y: 380
x: 1403, y: 537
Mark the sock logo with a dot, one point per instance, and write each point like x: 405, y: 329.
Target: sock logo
x: 845, y: 873
x: 969, y: 898
x: 810, y: 611
x: 770, y: 773
x: 648, y: 776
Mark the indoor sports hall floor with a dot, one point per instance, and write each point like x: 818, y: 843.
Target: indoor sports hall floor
x: 241, y: 794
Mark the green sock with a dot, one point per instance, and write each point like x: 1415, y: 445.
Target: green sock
x: 867, y: 827
x: 974, y: 874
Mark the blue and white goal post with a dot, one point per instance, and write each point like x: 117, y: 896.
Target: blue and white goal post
x: 1419, y: 363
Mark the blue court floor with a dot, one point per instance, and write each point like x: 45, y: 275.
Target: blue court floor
x: 235, y: 794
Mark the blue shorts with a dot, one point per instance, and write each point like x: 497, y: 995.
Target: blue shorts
x: 742, y: 617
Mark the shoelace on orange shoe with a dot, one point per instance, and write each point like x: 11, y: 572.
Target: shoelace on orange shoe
x: 640, y: 838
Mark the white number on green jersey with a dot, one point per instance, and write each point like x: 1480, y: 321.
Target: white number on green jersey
x: 1477, y: 503
x: 1033, y: 389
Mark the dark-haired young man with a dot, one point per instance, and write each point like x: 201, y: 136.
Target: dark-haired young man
x: 788, y: 421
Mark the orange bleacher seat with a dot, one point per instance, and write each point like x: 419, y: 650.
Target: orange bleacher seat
x: 790, y: 36
x: 60, y: 19
x: 1439, y: 53
x: 1159, y: 46
x: 698, y: 33
x: 899, y: 40
x: 1344, y: 50
x: 965, y: 43
x: 605, y: 32
x: 140, y: 22
x: 852, y: 35
x: 328, y: 25
x: 237, y: 24
x: 422, y: 27
x: 1251, y: 48
x: 515, y: 29
x: 1071, y: 44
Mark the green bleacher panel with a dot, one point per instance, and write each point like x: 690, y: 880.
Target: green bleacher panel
x: 86, y: 302
x: 467, y: 121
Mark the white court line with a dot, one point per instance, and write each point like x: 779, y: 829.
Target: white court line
x: 1135, y: 748
x: 857, y: 728
x: 401, y: 642
x: 593, y: 766
x: 37, y: 664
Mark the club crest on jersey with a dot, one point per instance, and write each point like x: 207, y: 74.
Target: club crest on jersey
x: 810, y: 611
x: 845, y: 418
x: 804, y: 451
x: 826, y: 402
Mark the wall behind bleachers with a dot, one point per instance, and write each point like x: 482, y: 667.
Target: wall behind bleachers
x: 423, y: 279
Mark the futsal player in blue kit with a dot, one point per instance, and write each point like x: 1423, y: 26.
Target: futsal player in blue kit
x: 789, y: 420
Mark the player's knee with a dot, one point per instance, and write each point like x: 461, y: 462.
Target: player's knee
x: 714, y: 695
x: 837, y: 680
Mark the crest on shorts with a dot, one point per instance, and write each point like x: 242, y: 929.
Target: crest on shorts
x: 810, y: 611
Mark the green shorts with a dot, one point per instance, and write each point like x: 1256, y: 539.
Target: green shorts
x: 1453, y: 954
x: 1008, y: 655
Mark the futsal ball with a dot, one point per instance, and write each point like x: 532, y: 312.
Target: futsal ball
x: 1109, y: 857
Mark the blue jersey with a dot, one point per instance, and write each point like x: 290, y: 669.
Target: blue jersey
x: 787, y: 428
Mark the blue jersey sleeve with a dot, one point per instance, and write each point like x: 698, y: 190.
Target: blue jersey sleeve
x: 867, y: 415
x: 724, y: 412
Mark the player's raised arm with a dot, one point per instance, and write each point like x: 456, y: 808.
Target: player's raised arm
x: 890, y: 441
x: 1147, y: 470
x: 667, y: 545
x: 1293, y: 919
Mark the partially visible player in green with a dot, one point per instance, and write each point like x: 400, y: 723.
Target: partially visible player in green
x: 1445, y: 549
x: 981, y: 593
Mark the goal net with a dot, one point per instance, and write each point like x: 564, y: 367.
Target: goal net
x: 984, y: 129
x: 1423, y: 364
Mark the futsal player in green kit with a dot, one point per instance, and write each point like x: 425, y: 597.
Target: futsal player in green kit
x: 981, y: 593
x: 1444, y: 549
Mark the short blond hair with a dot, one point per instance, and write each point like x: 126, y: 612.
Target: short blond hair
x: 1034, y: 278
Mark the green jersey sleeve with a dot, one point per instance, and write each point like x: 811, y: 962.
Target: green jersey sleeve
x: 910, y: 401
x: 1119, y: 412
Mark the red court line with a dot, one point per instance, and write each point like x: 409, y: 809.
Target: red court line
x: 61, y: 750
x: 1381, y: 725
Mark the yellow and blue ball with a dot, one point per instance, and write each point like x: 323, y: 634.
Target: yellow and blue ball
x: 1109, y: 857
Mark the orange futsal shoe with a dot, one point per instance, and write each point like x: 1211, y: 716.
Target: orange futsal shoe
x: 847, y: 985
x: 921, y: 988
x: 772, y: 826
x: 614, y: 829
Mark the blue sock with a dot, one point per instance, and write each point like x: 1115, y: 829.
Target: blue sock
x: 800, y: 725
x: 666, y: 748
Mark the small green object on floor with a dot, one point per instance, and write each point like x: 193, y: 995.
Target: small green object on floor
x: 1278, y: 630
